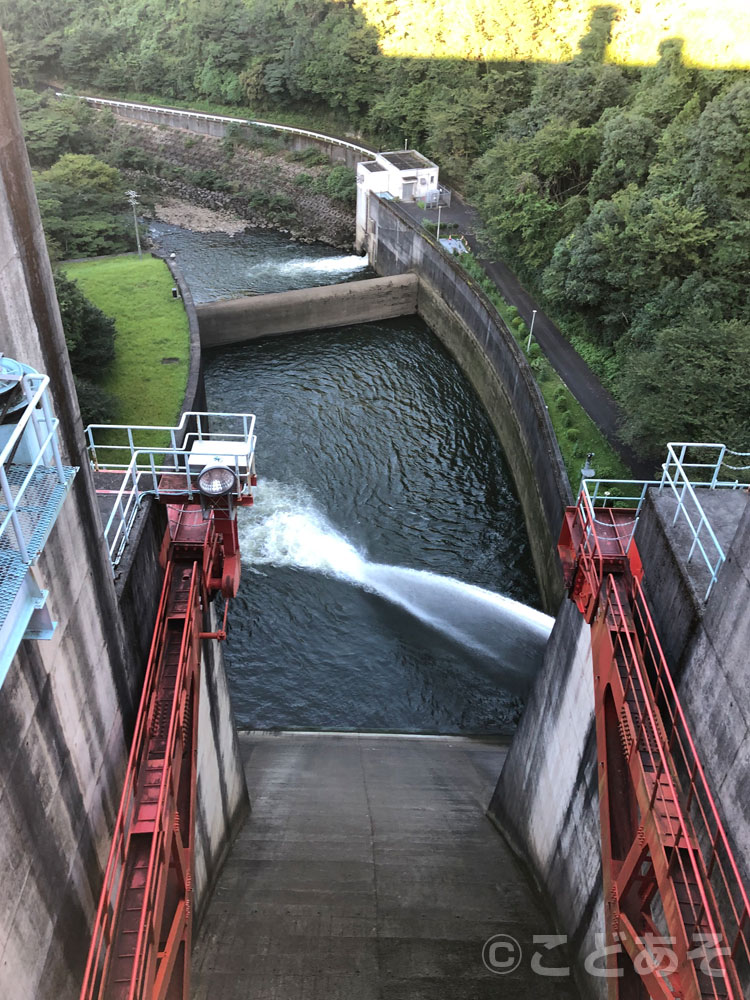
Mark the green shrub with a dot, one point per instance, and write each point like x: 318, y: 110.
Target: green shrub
x: 341, y: 185
x: 209, y: 179
x: 97, y: 405
x: 311, y: 157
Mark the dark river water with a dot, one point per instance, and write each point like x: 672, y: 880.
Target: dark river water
x: 386, y: 548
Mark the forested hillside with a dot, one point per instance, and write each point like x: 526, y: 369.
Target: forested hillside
x: 607, y: 147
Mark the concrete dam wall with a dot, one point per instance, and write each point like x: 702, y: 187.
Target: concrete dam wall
x: 234, y: 321
x: 68, y: 704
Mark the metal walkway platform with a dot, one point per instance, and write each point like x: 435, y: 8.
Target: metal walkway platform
x: 368, y: 869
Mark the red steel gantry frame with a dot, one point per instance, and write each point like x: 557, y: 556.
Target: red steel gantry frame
x: 676, y: 909
x: 141, y: 943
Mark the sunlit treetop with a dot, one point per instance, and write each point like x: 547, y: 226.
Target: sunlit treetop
x: 714, y: 33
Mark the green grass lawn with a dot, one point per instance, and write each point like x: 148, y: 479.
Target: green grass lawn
x: 152, y: 347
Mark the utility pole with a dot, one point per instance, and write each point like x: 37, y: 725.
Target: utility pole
x: 531, y: 331
x: 440, y: 208
x: 133, y: 199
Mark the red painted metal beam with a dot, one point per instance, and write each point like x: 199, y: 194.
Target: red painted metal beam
x: 675, y: 904
x: 141, y: 943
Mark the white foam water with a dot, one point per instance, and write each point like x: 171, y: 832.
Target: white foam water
x: 286, y: 529
x: 266, y: 274
x: 329, y: 265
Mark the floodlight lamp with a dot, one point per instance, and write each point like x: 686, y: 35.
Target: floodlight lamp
x: 216, y: 481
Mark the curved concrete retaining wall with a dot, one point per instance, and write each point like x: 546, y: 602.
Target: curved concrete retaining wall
x: 195, y: 390
x: 469, y: 325
x: 234, y: 321
x: 337, y: 150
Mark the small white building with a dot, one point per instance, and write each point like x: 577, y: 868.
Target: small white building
x: 402, y: 174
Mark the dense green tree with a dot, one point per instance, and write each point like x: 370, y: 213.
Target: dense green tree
x: 693, y: 385
x: 619, y: 193
x: 89, y: 334
x: 624, y: 253
x: 90, y: 338
x: 53, y: 127
x: 82, y: 201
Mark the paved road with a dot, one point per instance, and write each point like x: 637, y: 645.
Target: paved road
x: 368, y: 870
x: 570, y: 366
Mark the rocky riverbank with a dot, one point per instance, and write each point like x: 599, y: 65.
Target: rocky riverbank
x: 200, y: 219
x: 206, y: 184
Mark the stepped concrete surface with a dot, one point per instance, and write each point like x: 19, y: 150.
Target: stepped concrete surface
x: 368, y: 869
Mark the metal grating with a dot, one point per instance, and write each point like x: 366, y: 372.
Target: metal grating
x: 38, y: 509
x: 12, y: 575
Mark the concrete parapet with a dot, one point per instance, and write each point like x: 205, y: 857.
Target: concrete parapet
x: 234, y: 321
x: 546, y: 802
x: 338, y: 151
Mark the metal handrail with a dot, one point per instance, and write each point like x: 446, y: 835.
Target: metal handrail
x: 202, y: 433
x: 680, y: 794
x: 142, y: 474
x: 682, y: 485
x: 719, y: 864
x: 665, y: 800
x: 125, y: 511
x: 46, y: 442
x: 675, y: 475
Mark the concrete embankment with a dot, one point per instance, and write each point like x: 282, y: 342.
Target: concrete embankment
x: 234, y: 321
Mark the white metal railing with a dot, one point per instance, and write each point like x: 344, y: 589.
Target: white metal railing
x: 163, y: 468
x: 616, y: 492
x: 226, y: 119
x: 41, y: 449
x: 683, y: 473
x: 677, y: 476
x: 713, y: 471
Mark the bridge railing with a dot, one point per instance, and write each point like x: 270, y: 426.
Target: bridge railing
x: 692, y: 465
x: 689, y: 467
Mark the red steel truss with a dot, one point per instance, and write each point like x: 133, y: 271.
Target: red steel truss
x: 676, y: 909
x: 141, y: 943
